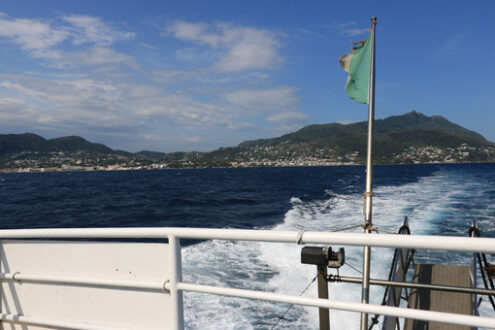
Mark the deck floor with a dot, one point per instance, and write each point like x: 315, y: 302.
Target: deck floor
x: 440, y: 301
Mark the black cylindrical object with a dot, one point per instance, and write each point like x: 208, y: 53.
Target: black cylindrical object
x: 314, y: 255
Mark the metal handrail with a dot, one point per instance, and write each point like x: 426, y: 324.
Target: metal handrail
x: 83, y: 281
x: 447, y: 288
x: 344, y: 305
x: 175, y: 286
x: 447, y: 243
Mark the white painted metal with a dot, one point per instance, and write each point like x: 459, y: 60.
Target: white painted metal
x: 344, y: 306
x: 448, y: 243
x: 87, y: 281
x: 368, y: 195
x: 39, y: 322
x: 177, y: 319
x: 83, y: 266
x: 72, y: 303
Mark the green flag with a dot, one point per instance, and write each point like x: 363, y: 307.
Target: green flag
x: 357, y: 63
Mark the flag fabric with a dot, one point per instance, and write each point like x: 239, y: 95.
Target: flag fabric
x: 357, y: 63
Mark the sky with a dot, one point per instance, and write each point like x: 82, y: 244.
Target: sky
x: 199, y: 75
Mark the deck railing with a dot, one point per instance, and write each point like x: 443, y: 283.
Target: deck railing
x: 174, y: 285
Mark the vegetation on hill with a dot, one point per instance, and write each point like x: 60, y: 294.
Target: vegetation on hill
x: 393, y: 136
x: 28, y: 142
x: 409, y: 138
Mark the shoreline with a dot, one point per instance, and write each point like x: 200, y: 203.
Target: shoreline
x: 145, y: 168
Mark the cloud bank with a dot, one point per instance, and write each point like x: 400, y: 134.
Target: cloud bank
x: 84, y: 81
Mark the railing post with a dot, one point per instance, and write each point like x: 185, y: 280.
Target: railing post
x: 474, y: 271
x: 175, y: 277
x: 323, y: 294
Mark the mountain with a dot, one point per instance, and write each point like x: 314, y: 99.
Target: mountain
x: 29, y: 143
x: 338, y: 135
x: 395, y: 137
x: 76, y: 143
x: 409, y: 138
x: 13, y: 143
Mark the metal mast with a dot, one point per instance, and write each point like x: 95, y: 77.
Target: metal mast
x: 368, y: 195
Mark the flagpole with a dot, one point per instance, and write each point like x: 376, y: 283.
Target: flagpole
x: 368, y: 195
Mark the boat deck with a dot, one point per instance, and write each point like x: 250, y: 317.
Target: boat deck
x: 440, y: 301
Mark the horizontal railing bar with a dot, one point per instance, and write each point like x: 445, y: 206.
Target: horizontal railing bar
x: 459, y: 319
x: 139, y: 285
x: 357, y: 280
x: 27, y: 320
x: 450, y: 243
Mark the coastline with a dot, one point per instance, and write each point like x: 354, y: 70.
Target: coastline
x: 161, y: 167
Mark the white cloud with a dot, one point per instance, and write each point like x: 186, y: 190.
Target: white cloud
x: 72, y: 102
x: 350, y: 29
x: 183, y: 109
x: 92, y: 107
x: 197, y: 32
x: 313, y: 34
x: 287, y: 117
x: 98, y: 56
x: 22, y: 90
x: 196, y: 55
x: 137, y: 91
x: 189, y: 138
x: 94, y: 94
x: 89, y: 29
x: 11, y: 101
x: 43, y: 39
x: 170, y: 76
x: 345, y: 122
x: 273, y: 99
x: 34, y: 36
x: 87, y: 102
x: 243, y: 48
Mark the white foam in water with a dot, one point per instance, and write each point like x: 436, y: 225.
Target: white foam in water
x: 276, y: 267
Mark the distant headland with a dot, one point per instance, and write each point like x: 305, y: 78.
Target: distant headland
x: 412, y: 138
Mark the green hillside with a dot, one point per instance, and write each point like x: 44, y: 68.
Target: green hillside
x: 31, y: 143
x: 393, y: 136
x: 409, y: 138
x: 76, y: 143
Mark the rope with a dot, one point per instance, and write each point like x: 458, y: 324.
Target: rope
x: 288, y: 309
x: 382, y: 230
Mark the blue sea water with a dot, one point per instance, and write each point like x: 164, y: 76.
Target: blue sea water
x: 437, y: 199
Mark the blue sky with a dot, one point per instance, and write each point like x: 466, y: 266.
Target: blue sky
x: 198, y: 75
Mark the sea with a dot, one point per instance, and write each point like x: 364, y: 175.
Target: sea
x: 437, y: 199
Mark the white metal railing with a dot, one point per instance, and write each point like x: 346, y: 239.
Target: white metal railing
x: 174, y: 285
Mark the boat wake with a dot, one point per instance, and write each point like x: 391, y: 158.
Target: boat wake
x: 432, y: 204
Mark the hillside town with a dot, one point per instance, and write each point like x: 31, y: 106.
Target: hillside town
x: 83, y: 161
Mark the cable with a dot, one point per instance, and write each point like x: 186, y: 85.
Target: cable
x: 483, y: 269
x: 487, y: 264
x: 376, y: 229
x: 347, y: 228
x: 374, y: 319
x: 288, y: 309
x: 356, y: 269
x: 403, y: 230
x: 483, y: 263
